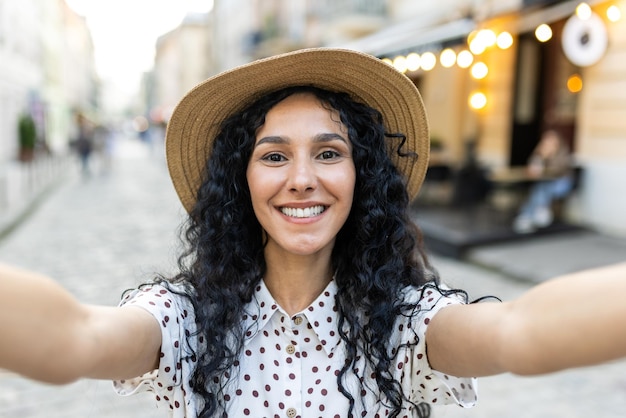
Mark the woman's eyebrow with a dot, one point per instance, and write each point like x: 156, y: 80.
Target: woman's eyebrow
x: 324, y: 137
x: 328, y: 137
x: 272, y: 140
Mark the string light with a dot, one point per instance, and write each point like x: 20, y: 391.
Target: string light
x: 613, y: 13
x: 477, y: 46
x: 447, y: 58
x: 478, y: 100
x: 479, y: 70
x: 543, y: 33
x: 413, y: 61
x: 429, y: 60
x: 399, y: 63
x: 479, y: 41
x: 464, y: 58
x: 488, y: 37
x: 583, y: 11
x: 504, y: 40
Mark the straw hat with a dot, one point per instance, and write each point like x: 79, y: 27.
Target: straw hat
x: 196, y: 119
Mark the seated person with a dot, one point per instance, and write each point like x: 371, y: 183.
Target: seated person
x: 550, y: 161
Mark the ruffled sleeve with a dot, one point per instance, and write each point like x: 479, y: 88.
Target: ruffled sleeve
x: 170, y: 382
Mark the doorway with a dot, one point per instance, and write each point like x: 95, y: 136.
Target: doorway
x: 542, y: 99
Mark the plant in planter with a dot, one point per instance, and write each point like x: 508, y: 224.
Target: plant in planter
x: 27, y: 136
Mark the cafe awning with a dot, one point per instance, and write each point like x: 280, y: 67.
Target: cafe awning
x: 418, y: 34
x: 411, y: 35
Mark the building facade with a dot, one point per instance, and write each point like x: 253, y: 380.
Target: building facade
x: 182, y: 60
x: 21, y: 74
x: 570, y: 81
x: 47, y: 70
x: 47, y: 74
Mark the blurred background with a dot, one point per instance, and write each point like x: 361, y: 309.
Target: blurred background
x: 87, y: 88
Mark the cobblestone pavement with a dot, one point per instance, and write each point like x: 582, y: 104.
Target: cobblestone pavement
x: 103, y: 234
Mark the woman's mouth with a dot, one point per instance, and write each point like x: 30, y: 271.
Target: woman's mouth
x: 303, y: 212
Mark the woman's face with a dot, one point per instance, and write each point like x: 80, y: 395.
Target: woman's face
x: 301, y: 176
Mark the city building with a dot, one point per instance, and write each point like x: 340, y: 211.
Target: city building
x: 47, y: 76
x: 541, y: 65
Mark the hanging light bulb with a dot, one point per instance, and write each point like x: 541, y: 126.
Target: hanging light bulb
x: 504, y: 40
x: 399, y: 63
x: 479, y: 70
x: 477, y: 46
x: 543, y: 33
x: 413, y: 61
x: 477, y: 100
x: 583, y: 11
x: 429, y: 60
x: 447, y: 58
x: 613, y: 13
x: 464, y: 59
x: 488, y: 37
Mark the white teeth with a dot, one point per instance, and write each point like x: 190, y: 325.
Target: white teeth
x: 303, y: 212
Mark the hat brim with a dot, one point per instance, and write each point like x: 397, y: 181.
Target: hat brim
x: 197, y: 118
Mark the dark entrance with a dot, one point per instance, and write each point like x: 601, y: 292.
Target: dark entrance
x: 542, y: 100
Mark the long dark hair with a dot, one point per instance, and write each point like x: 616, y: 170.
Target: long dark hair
x: 377, y: 254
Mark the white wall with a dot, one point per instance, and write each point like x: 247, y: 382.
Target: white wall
x: 603, y: 196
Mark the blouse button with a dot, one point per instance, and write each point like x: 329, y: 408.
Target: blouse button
x: 290, y: 349
x: 297, y: 320
x: 291, y: 412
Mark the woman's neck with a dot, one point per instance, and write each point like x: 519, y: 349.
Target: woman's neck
x: 296, y: 281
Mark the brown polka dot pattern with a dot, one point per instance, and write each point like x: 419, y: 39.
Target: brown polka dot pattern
x: 289, y: 365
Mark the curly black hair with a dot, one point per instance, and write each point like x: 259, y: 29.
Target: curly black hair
x: 378, y: 252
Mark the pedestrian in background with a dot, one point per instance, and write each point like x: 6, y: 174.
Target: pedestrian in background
x: 303, y: 289
x: 84, y: 142
x: 550, y: 165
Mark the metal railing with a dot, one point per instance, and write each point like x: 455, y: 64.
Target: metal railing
x: 21, y: 184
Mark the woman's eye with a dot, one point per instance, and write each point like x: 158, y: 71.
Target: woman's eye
x: 328, y: 155
x: 274, y: 158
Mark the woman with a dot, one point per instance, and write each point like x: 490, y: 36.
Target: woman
x: 304, y: 290
x: 551, y: 165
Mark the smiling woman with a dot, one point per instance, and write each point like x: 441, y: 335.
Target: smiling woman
x: 333, y: 312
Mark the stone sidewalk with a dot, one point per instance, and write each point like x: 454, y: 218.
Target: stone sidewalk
x: 100, y: 235
x: 97, y: 236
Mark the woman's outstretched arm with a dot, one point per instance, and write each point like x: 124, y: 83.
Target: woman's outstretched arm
x: 572, y: 321
x: 48, y: 335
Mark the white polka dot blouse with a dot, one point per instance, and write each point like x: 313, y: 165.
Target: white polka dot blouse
x: 289, y: 365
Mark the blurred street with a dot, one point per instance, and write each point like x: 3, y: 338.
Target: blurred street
x: 101, y: 234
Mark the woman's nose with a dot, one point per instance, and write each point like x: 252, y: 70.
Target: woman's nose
x: 302, y: 176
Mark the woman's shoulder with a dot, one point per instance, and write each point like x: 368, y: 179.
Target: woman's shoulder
x: 162, y: 299
x: 432, y: 294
